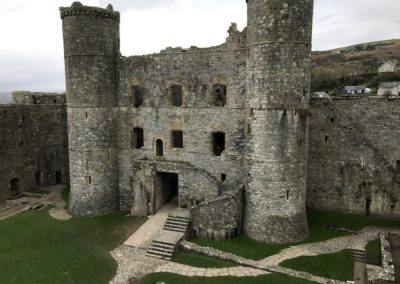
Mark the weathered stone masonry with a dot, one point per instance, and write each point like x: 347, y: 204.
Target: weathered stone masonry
x: 33, y: 143
x: 242, y: 113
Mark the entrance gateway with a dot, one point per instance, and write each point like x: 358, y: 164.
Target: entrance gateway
x: 166, y: 189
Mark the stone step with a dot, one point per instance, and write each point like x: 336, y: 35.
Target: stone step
x: 181, y: 226
x: 179, y: 222
x: 175, y: 230
x: 156, y: 254
x: 161, y: 245
x: 178, y: 218
x: 161, y: 250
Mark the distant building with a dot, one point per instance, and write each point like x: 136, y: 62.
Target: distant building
x: 387, y: 67
x: 356, y: 90
x: 389, y: 89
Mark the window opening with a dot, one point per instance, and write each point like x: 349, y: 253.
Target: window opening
x: 219, y: 95
x: 176, y: 95
x: 137, y: 138
x: 177, y: 139
x: 218, y: 143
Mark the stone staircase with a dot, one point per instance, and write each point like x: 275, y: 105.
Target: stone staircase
x: 161, y: 249
x: 176, y: 224
x: 174, y: 231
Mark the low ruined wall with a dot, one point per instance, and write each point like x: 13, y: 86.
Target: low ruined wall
x: 33, y: 145
x: 354, y: 155
x: 219, y: 219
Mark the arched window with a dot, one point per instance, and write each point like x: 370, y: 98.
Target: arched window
x: 159, y: 148
x: 219, y: 95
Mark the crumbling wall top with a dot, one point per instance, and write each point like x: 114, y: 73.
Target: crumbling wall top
x: 77, y: 9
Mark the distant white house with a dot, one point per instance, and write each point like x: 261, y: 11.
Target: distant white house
x: 356, y: 90
x: 387, y: 67
x: 389, y: 89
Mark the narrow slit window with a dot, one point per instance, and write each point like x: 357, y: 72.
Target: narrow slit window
x: 326, y: 138
x: 177, y: 139
x: 176, y: 95
x: 137, y: 92
x: 89, y: 180
x: 219, y: 95
x: 159, y: 148
x: 398, y: 166
x: 223, y: 177
x: 137, y: 138
x: 218, y: 140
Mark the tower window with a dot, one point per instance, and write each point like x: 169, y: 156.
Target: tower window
x: 219, y: 95
x: 177, y: 139
x: 137, y: 138
x: 223, y: 177
x: 218, y: 140
x: 89, y: 180
x: 137, y: 92
x: 159, y: 148
x: 398, y: 166
x: 326, y: 138
x: 176, y: 95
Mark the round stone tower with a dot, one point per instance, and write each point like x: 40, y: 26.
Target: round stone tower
x: 91, y: 47
x: 278, y: 89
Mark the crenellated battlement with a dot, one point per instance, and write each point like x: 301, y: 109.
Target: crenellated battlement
x: 77, y: 9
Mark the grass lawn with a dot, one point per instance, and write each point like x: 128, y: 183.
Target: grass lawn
x: 318, y: 222
x: 65, y: 195
x: 177, y: 279
x: 337, y: 266
x: 373, y: 249
x: 202, y: 261
x: 35, y: 248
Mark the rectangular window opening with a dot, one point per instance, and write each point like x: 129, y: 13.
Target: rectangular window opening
x: 137, y: 138
x: 398, y: 166
x: 177, y: 139
x: 326, y: 138
x: 176, y: 95
x: 223, y: 177
x: 137, y: 92
x: 219, y: 95
x: 287, y: 194
x: 218, y: 143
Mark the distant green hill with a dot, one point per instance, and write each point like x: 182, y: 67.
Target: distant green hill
x: 354, y: 65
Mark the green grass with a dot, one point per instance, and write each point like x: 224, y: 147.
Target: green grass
x: 65, y: 195
x: 337, y: 266
x: 202, y: 261
x: 177, y: 279
x: 373, y: 249
x: 35, y: 248
x: 243, y: 246
x: 318, y: 222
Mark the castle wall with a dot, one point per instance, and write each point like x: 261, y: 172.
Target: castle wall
x: 33, y: 142
x: 196, y: 70
x: 354, y: 155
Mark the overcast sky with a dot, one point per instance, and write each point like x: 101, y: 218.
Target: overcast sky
x: 31, y: 52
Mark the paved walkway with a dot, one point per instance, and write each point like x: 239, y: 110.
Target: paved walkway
x: 29, y: 201
x: 153, y: 226
x: 237, y: 271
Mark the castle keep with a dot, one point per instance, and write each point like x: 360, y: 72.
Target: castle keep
x: 230, y: 131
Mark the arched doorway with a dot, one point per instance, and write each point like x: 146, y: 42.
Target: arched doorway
x: 159, y: 148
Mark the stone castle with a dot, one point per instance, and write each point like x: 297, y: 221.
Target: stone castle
x: 230, y: 132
